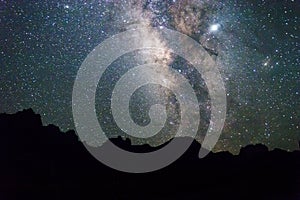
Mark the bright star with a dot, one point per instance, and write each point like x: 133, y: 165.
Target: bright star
x: 214, y: 27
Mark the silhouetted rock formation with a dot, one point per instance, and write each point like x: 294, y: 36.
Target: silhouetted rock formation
x: 41, y: 162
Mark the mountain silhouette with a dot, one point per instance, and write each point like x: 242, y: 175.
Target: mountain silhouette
x: 41, y: 162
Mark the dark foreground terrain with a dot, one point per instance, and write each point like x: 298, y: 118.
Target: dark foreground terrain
x: 40, y: 162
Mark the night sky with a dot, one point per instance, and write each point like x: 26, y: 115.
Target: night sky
x: 255, y: 45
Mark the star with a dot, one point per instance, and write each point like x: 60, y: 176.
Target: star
x: 214, y: 27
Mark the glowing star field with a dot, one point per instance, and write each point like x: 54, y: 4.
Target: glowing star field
x: 254, y: 45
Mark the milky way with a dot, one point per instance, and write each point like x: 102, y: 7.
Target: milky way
x: 255, y: 45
